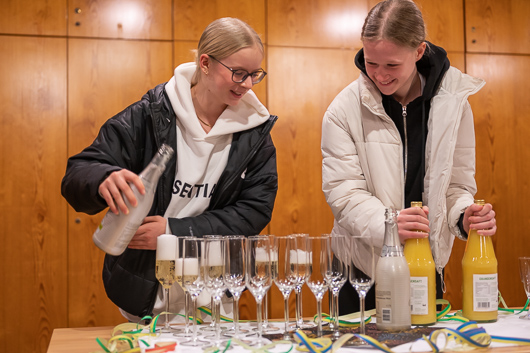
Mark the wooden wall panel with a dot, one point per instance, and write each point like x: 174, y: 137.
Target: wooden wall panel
x: 105, y: 77
x: 302, y: 84
x: 32, y: 212
x: 131, y: 19
x: 497, y: 26
x: 316, y: 23
x: 501, y: 113
x: 33, y: 17
x: 192, y: 16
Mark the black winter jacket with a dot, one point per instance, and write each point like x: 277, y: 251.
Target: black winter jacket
x: 242, y: 202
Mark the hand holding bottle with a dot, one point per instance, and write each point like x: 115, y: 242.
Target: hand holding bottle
x: 116, y: 186
x: 413, y: 222
x: 480, y: 218
x: 146, y: 236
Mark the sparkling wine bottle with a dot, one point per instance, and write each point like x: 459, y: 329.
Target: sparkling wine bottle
x: 479, y: 278
x: 392, y: 281
x: 115, y: 231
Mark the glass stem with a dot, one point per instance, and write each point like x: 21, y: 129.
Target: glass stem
x: 319, y: 312
x: 265, y: 310
x: 194, y: 305
x: 362, y: 329
x: 331, y: 309
x: 187, y: 312
x: 286, y: 313
x: 335, y: 302
x: 299, y: 319
x: 260, y: 327
x: 236, y: 316
x: 212, y: 304
x: 217, y: 324
x: 166, y: 325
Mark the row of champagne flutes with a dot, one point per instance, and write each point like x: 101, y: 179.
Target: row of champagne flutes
x: 217, y: 264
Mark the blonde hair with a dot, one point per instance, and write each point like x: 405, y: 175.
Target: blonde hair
x: 399, y: 21
x: 222, y: 38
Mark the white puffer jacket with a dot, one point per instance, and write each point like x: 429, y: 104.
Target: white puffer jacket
x: 362, y: 167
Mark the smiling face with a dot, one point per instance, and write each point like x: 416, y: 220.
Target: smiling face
x: 220, y: 84
x: 391, y: 67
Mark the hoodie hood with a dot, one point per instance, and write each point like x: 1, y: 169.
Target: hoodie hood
x: 433, y: 66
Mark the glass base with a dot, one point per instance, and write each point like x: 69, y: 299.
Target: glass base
x: 197, y: 343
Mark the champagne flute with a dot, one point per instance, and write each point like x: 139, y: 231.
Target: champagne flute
x: 166, y: 247
x: 302, y: 261
x: 361, y: 275
x: 524, y: 271
x: 336, y: 272
x: 214, y: 274
x: 179, y: 277
x: 284, y: 275
x: 215, y: 312
x: 235, y: 276
x: 267, y: 327
x: 193, y: 280
x: 316, y: 281
x: 258, y: 274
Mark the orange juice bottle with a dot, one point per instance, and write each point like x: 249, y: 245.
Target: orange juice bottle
x: 422, y: 279
x: 480, y: 280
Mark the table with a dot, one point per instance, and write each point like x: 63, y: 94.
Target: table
x: 83, y: 340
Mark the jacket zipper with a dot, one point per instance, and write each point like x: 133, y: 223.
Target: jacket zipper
x: 404, y: 114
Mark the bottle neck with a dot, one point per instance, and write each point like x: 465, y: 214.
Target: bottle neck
x: 391, y: 244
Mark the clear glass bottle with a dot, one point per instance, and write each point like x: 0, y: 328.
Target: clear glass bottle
x: 479, y: 278
x: 422, y: 279
x: 392, y: 281
x: 115, y: 231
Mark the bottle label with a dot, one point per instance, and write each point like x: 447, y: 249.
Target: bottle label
x: 383, y: 304
x: 419, y: 295
x: 485, y: 292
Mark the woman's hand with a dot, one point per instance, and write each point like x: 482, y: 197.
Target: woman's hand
x: 480, y: 218
x: 413, y: 223
x: 116, y: 185
x: 145, y: 236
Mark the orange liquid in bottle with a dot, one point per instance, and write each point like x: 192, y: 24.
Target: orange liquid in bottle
x: 480, y: 281
x: 422, y: 279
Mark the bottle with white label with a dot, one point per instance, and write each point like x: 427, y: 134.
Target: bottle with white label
x: 422, y: 279
x: 115, y: 231
x: 480, y: 281
x: 392, y: 281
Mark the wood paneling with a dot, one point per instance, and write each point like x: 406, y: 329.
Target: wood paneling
x: 105, y: 77
x: 498, y: 26
x: 501, y: 113
x: 192, y: 16
x: 302, y: 84
x: 131, y: 19
x: 316, y: 23
x: 32, y: 212
x: 33, y: 17
x: 445, y: 23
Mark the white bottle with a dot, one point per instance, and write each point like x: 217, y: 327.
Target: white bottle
x: 392, y: 281
x: 115, y: 231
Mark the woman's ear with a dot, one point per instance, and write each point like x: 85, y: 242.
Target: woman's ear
x: 421, y: 50
x: 204, y: 63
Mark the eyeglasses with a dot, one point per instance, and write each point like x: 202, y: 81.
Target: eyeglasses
x: 239, y: 75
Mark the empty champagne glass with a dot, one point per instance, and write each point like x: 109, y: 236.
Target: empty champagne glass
x: 336, y: 271
x: 179, y: 277
x: 302, y: 261
x: 361, y: 274
x: 235, y: 276
x: 193, y: 280
x: 524, y: 270
x: 214, y: 274
x: 316, y: 281
x: 284, y: 275
x: 258, y: 274
x: 166, y: 247
x: 267, y: 327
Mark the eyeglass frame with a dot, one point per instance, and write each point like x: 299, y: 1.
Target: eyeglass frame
x: 246, y: 75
